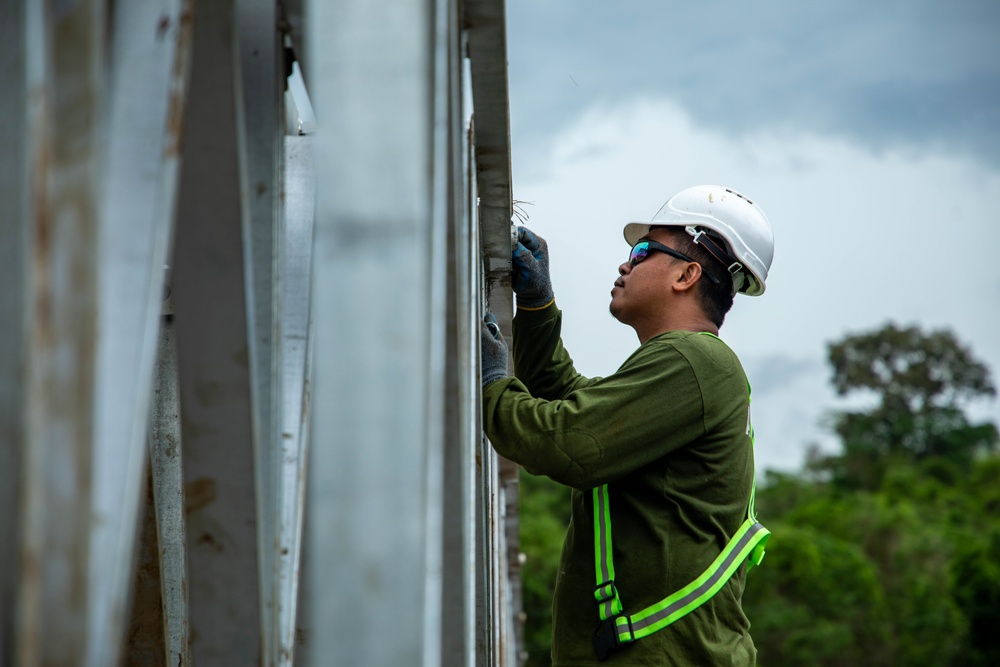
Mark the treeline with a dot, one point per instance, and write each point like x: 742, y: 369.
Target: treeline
x: 886, y: 553
x: 906, y: 574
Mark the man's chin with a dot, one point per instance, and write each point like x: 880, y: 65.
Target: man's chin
x: 614, y: 310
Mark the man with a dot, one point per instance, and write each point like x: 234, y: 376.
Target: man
x: 659, y: 454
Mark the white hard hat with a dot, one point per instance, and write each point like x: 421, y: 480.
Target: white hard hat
x: 707, y: 210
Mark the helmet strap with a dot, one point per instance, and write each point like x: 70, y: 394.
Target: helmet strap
x: 717, y: 251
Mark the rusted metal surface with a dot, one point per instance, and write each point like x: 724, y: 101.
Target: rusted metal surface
x: 165, y: 453
x: 210, y: 311
x: 144, y: 637
x: 65, y: 88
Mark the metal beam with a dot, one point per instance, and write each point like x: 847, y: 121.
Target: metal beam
x: 260, y: 96
x: 65, y: 67
x: 300, y: 198
x: 210, y: 307
x: 159, y: 635
x: 485, y: 21
x: 168, y: 494
x: 461, y: 389
x: 150, y: 48
x: 376, y: 370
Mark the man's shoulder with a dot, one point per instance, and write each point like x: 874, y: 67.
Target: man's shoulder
x: 710, y: 359
x: 700, y: 345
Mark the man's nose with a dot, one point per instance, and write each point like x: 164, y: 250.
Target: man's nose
x: 624, y: 268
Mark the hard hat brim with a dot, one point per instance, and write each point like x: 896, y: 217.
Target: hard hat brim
x: 636, y: 230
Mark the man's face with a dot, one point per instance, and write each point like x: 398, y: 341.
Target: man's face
x: 642, y: 290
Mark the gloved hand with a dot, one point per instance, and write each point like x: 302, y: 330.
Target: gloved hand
x: 494, y: 350
x: 530, y: 278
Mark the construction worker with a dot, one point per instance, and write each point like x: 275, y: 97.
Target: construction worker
x: 659, y: 455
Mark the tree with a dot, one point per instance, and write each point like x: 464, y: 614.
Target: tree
x: 921, y: 382
x: 909, y: 369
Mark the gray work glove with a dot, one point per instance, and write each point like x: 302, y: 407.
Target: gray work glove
x: 494, y: 350
x: 530, y: 278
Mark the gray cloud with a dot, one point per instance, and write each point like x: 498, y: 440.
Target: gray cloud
x: 892, y: 74
x: 776, y: 373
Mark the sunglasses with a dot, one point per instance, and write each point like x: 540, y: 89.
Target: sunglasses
x: 641, y: 250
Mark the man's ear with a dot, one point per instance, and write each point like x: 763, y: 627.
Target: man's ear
x: 688, y: 277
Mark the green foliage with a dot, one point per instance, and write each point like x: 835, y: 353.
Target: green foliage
x: 909, y: 617
x: 915, y: 493
x: 926, y: 556
x: 816, y: 600
x: 544, y: 515
x: 976, y: 576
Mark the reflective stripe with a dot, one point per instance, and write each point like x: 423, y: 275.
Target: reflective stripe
x: 692, y: 596
x: 606, y: 593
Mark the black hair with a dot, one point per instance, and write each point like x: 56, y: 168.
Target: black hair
x: 716, y: 298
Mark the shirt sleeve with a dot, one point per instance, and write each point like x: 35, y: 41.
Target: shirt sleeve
x: 540, y: 360
x: 597, y: 430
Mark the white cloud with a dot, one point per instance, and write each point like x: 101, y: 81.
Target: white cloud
x: 861, y: 239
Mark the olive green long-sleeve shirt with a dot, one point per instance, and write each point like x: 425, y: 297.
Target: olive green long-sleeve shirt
x: 669, y: 434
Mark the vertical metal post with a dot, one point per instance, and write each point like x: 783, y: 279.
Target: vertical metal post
x: 14, y: 305
x: 477, y: 450
x: 485, y: 23
x: 209, y: 299
x: 260, y: 97
x: 470, y: 419
x: 444, y: 594
x: 158, y: 633
x: 491, y: 549
x: 65, y: 63
x: 462, y: 428
x: 300, y: 197
x: 149, y: 58
x: 378, y: 372
x: 484, y: 505
x: 168, y: 494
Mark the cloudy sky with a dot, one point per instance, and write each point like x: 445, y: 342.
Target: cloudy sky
x: 868, y: 132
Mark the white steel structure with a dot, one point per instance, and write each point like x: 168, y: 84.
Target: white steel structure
x: 244, y: 249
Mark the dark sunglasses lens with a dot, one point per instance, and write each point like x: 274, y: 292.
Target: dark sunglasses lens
x: 639, y: 252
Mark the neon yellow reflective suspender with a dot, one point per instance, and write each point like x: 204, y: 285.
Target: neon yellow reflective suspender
x: 616, y: 627
x: 746, y: 545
